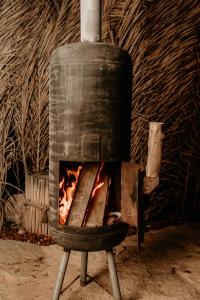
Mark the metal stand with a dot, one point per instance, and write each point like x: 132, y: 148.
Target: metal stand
x: 61, y: 275
x: 83, y: 275
x: 113, y: 276
x: 84, y: 262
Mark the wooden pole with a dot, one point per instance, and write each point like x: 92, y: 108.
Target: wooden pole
x: 151, y: 179
x: 97, y: 209
x: 82, y: 196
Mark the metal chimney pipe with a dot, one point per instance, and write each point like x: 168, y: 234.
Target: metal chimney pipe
x: 90, y: 20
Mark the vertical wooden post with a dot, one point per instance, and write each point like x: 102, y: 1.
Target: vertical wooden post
x: 154, y: 149
x: 151, y: 180
x: 83, y: 193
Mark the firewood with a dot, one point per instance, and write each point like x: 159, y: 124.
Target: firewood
x: 83, y: 193
x: 97, y: 209
x: 129, y: 190
x: 151, y: 180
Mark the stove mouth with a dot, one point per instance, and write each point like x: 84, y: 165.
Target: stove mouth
x: 88, y: 206
x: 89, y: 137
x: 89, y: 193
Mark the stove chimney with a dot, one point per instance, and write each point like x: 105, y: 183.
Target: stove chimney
x: 90, y: 20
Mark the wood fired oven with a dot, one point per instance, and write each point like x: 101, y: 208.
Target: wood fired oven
x: 89, y: 137
x: 90, y: 106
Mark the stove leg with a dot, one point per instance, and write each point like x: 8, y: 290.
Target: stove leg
x: 113, y: 276
x: 84, y: 263
x: 61, y: 275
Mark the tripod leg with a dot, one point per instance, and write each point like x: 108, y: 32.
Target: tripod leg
x: 113, y: 276
x: 84, y: 262
x: 61, y: 275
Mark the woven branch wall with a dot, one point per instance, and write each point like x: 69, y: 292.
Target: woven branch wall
x: 162, y: 38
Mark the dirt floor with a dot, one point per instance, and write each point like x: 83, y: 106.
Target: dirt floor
x: 167, y: 268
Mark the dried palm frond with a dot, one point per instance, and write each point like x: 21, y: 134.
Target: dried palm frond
x: 7, y: 150
x: 162, y: 38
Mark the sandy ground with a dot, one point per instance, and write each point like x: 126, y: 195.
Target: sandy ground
x: 167, y: 268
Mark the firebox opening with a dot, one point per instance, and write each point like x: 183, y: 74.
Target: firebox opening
x: 89, y: 193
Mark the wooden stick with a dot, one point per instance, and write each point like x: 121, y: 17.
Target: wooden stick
x: 129, y: 187
x: 83, y: 193
x: 96, y: 212
x: 154, y: 149
x: 151, y: 180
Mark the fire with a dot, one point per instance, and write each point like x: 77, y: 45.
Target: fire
x: 70, y: 182
x: 68, y: 186
x: 96, y: 188
x: 98, y: 184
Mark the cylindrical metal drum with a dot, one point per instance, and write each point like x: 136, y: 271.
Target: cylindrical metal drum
x: 90, y: 98
x: 89, y: 111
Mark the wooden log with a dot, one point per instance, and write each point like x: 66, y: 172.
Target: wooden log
x: 151, y: 180
x: 150, y: 183
x: 129, y: 192
x: 82, y: 196
x: 96, y: 211
x: 154, y: 149
x: 36, y: 203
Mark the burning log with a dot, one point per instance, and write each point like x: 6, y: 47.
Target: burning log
x: 96, y: 211
x: 82, y: 196
x: 67, y: 189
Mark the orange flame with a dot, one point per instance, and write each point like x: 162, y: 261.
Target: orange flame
x: 66, y: 201
x: 98, y: 184
x: 68, y: 186
x: 96, y: 188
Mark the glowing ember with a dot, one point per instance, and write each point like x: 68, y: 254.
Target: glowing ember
x: 98, y: 184
x: 96, y: 188
x: 68, y: 187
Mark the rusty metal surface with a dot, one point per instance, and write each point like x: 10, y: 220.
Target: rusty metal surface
x: 89, y: 104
